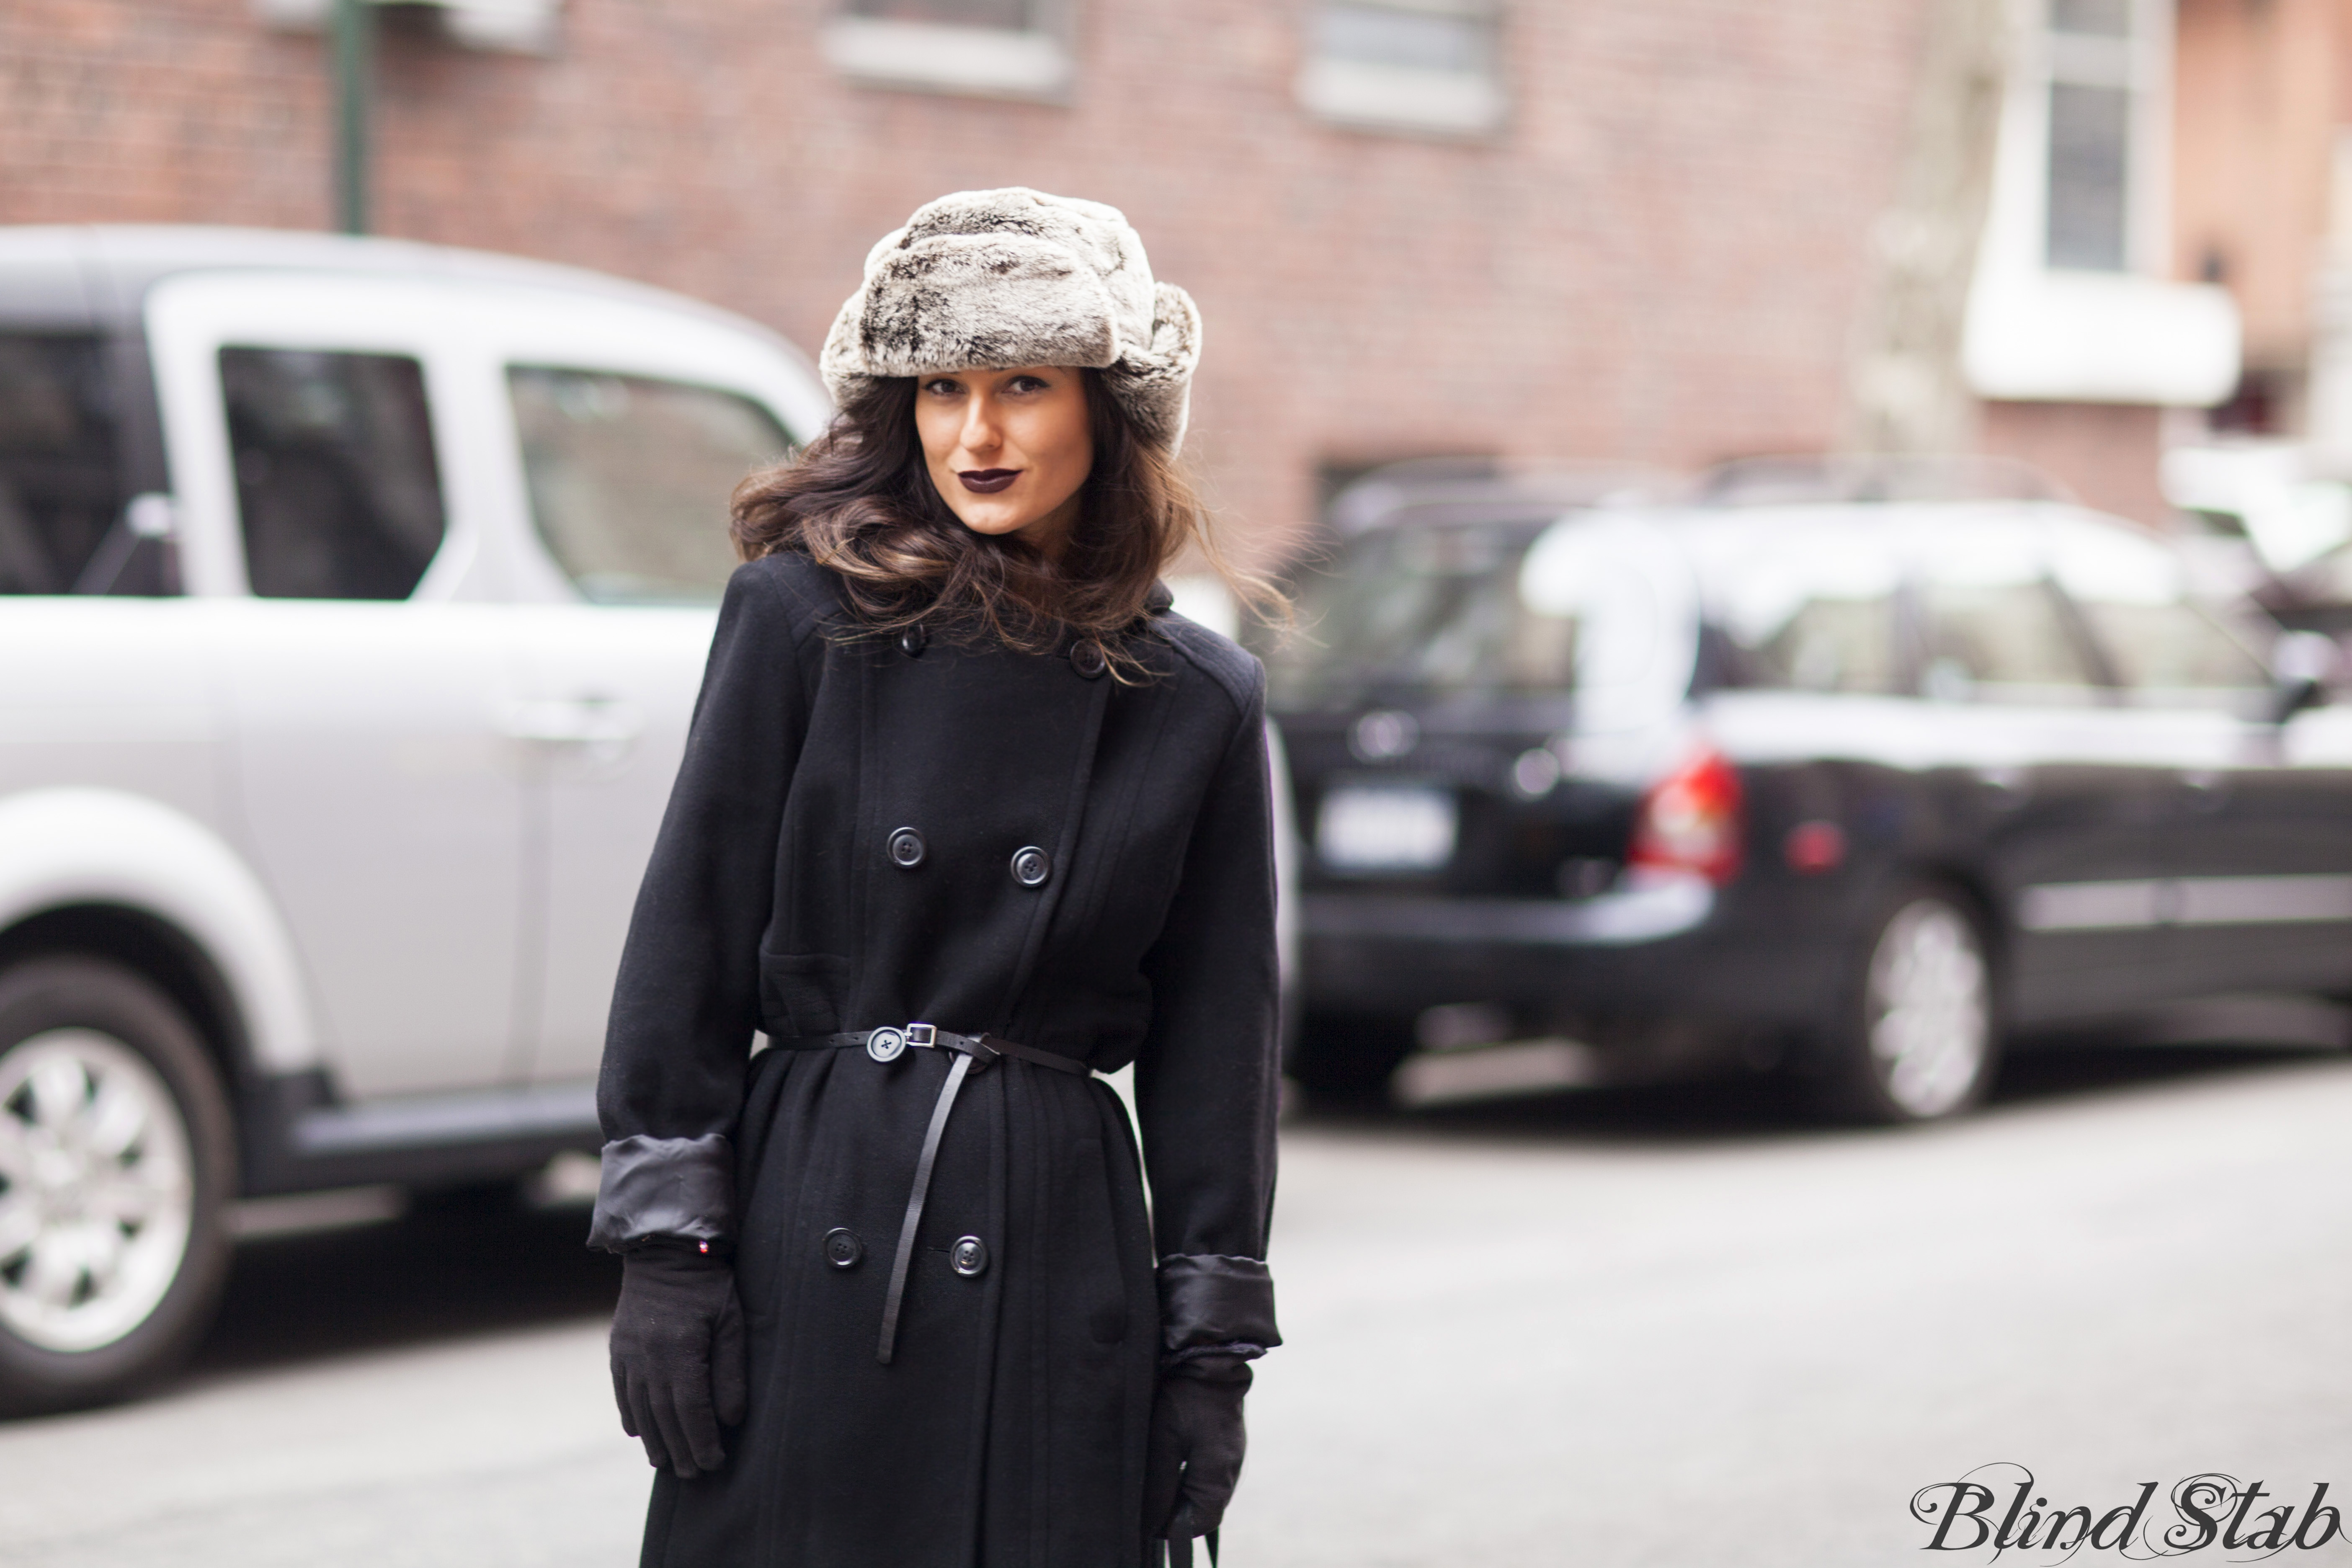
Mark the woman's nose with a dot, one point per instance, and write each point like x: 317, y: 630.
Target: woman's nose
x: 980, y: 431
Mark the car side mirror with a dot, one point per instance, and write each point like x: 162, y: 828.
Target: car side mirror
x: 2301, y: 665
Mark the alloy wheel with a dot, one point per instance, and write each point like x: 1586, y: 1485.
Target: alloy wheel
x: 1929, y: 1010
x: 97, y: 1190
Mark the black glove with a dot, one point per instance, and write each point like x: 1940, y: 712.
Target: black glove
x: 677, y: 1354
x: 1194, y: 1456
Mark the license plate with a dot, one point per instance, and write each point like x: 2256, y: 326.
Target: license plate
x: 1367, y: 828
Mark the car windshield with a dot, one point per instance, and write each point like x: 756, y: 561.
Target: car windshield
x: 1434, y: 610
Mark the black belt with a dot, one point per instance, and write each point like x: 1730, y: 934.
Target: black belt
x: 973, y: 1053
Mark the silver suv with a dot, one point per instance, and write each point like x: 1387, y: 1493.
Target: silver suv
x: 356, y: 597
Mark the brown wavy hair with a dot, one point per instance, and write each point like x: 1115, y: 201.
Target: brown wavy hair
x: 860, y: 499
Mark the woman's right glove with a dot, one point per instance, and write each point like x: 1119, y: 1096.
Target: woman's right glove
x: 1194, y: 1455
x: 678, y: 1370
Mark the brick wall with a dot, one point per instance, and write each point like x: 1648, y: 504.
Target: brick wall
x: 2107, y: 452
x: 1656, y: 262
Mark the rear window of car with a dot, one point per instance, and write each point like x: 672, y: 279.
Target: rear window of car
x: 1434, y: 611
x: 60, y: 483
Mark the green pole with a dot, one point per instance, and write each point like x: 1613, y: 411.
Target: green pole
x: 350, y: 44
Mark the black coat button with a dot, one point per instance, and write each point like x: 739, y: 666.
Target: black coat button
x: 1087, y: 660
x: 914, y: 640
x: 842, y: 1247
x: 1032, y: 866
x: 906, y: 848
x: 968, y: 1256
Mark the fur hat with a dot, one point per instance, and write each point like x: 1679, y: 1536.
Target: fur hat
x: 998, y: 278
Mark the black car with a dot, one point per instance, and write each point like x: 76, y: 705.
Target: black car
x: 1856, y: 790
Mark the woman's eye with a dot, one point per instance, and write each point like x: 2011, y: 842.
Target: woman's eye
x: 941, y: 388
x: 1028, y: 383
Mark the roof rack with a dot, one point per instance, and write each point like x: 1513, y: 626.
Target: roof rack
x: 1564, y: 484
x: 1799, y: 479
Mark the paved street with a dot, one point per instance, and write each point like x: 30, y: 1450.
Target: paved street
x: 1610, y: 1330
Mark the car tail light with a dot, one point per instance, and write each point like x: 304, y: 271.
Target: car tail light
x: 1691, y: 820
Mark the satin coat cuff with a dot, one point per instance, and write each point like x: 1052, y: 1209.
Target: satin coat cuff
x: 682, y: 1189
x: 1207, y: 1299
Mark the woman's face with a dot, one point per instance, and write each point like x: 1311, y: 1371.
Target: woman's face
x: 1008, y: 449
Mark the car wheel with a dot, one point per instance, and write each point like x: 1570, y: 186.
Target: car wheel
x: 116, y: 1165
x: 1920, y: 1043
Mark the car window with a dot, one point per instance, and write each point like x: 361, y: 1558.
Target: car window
x: 2164, y: 649
x: 1994, y: 626
x: 1434, y: 610
x: 1807, y: 613
x: 630, y: 477
x: 60, y: 488
x: 2173, y: 654
x: 338, y: 488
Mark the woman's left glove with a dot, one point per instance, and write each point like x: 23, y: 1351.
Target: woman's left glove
x: 1194, y: 1456
x: 679, y: 1370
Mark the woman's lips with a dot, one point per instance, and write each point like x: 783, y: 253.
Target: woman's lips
x: 987, y: 482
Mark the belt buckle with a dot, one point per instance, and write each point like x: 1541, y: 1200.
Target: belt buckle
x: 923, y: 1035
x: 885, y: 1044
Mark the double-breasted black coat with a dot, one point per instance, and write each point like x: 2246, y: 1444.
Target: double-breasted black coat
x: 1088, y: 873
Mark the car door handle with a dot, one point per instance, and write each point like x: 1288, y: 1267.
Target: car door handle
x: 580, y: 721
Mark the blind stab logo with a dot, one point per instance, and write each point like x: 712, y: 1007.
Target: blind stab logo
x: 2002, y: 1508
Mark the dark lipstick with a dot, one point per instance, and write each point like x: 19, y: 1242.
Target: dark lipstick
x: 987, y: 482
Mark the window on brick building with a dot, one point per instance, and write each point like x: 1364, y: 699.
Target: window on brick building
x: 993, y: 49
x: 1015, y: 14
x: 1415, y: 66
x: 2105, y: 71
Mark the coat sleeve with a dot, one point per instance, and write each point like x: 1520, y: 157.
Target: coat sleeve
x: 1207, y: 1079
x: 686, y: 1003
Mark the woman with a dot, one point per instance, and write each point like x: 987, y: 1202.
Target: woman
x: 966, y: 818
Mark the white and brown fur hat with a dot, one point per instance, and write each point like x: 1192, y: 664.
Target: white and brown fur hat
x: 992, y: 280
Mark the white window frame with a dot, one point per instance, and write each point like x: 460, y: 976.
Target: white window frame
x: 2039, y: 333
x: 1362, y: 95
x: 1037, y: 64
x: 2142, y: 65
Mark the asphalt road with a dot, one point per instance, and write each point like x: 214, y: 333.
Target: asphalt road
x: 1599, y: 1329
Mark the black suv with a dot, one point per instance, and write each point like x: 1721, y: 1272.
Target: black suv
x: 1860, y: 788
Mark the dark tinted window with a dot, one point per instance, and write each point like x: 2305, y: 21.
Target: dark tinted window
x: 60, y: 488
x: 1430, y: 610
x: 629, y: 479
x: 336, y: 480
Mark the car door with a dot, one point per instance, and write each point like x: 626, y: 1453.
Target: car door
x: 628, y: 432
x: 2070, y: 787
x: 2256, y: 842
x: 324, y: 481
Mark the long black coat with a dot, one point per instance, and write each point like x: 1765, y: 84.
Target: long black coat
x: 1009, y: 1427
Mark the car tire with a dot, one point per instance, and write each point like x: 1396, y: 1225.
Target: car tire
x: 116, y: 1164
x: 1921, y: 1038
x: 1346, y: 1058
